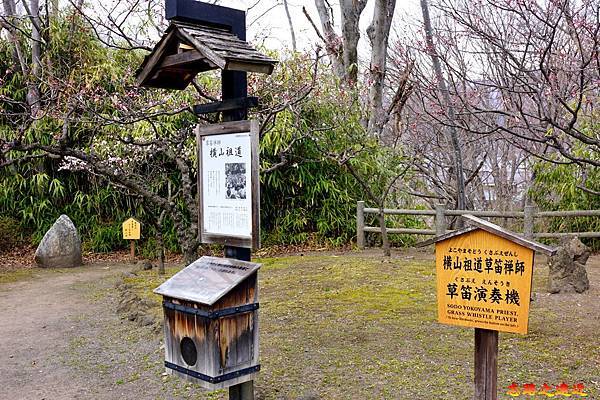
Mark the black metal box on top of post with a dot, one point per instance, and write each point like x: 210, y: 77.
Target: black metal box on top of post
x: 211, y: 322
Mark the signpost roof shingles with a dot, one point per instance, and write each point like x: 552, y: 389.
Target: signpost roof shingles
x: 187, y: 49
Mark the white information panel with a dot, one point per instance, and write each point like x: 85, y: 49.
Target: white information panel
x: 226, y: 184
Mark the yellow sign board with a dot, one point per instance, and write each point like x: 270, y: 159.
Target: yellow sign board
x: 131, y: 229
x: 483, y: 281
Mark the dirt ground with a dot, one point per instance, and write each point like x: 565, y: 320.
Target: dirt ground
x: 61, y: 338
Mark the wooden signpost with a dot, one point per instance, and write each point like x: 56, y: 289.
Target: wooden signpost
x: 203, y: 37
x: 132, y: 231
x: 484, y: 275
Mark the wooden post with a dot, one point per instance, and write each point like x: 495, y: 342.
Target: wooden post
x: 360, y: 224
x: 528, y: 228
x: 132, y: 249
x: 440, y: 219
x: 161, y: 261
x: 242, y: 391
x: 529, y: 221
x: 486, y: 364
x: 234, y: 84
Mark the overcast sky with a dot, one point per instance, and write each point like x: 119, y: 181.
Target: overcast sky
x: 267, y: 21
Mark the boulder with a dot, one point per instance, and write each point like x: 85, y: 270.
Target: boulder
x: 146, y: 265
x: 567, y: 268
x: 60, y: 247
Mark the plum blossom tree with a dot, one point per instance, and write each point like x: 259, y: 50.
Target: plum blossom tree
x: 72, y: 101
x: 521, y: 80
x: 75, y: 104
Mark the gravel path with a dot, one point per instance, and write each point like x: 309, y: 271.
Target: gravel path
x: 60, y: 338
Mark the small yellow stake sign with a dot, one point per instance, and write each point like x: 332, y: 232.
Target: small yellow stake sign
x: 131, y: 232
x: 484, y: 281
x: 131, y: 229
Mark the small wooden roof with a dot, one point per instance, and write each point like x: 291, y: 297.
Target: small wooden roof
x: 207, y: 279
x: 478, y: 223
x: 187, y: 49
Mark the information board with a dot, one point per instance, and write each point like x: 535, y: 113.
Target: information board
x: 227, y: 198
x: 484, y: 281
x: 228, y: 181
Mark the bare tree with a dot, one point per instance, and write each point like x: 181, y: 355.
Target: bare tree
x: 290, y: 24
x: 384, y: 98
x: 461, y: 201
x: 541, y: 62
x: 516, y: 75
x: 343, y: 51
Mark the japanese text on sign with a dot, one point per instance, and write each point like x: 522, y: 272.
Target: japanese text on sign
x: 131, y: 229
x: 483, y: 281
x: 226, y: 184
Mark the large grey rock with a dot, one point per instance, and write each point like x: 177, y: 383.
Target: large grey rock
x: 567, y: 268
x: 60, y: 247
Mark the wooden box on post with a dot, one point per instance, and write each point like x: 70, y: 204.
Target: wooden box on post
x: 203, y: 37
x: 211, y: 322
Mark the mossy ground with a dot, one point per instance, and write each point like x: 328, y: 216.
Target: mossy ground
x: 15, y: 275
x: 364, y: 327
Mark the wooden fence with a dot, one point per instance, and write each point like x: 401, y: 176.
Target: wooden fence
x: 529, y: 214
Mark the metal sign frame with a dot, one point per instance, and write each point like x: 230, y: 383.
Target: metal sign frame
x: 252, y: 242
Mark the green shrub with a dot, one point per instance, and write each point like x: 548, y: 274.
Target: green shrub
x: 557, y: 187
x: 105, y: 238
x: 11, y: 234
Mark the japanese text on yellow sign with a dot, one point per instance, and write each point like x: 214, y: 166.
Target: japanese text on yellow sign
x: 483, y: 281
x: 131, y: 229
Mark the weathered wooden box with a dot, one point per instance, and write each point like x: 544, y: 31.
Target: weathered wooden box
x: 211, y: 322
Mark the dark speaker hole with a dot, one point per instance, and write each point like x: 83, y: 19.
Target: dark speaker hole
x: 188, y: 351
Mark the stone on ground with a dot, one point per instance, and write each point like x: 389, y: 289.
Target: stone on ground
x: 567, y: 268
x: 60, y: 247
x: 146, y: 265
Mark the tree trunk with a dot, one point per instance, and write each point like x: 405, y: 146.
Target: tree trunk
x: 55, y: 8
x: 343, y: 50
x: 332, y: 40
x: 161, y: 244
x: 190, y: 253
x: 33, y: 92
x: 10, y: 13
x: 378, y: 33
x: 461, y: 201
x: 289, y: 17
x: 351, y: 11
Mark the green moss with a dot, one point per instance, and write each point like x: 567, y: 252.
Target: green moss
x: 15, y: 275
x: 144, y: 282
x: 358, y: 327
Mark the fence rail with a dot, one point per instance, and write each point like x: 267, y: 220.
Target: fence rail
x: 529, y: 214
